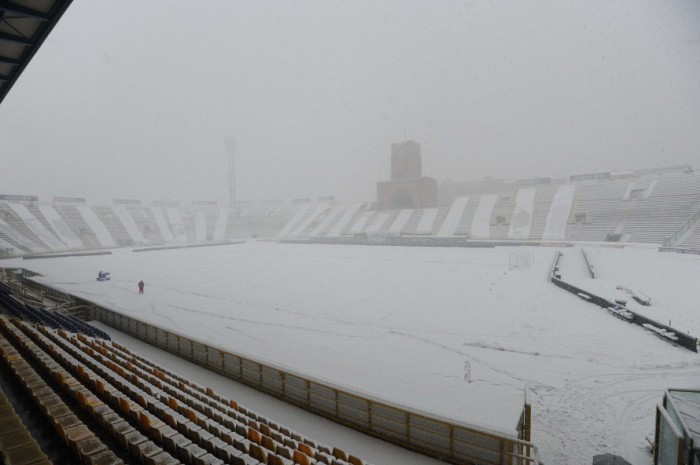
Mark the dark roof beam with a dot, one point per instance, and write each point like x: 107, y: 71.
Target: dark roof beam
x: 4, y: 78
x: 22, y: 11
x: 8, y: 61
x: 4, y: 36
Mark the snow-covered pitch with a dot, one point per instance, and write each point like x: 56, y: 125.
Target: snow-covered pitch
x: 455, y: 332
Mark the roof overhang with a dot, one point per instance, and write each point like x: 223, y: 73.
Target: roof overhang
x: 24, y: 25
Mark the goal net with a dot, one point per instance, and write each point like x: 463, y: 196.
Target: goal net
x: 520, y: 260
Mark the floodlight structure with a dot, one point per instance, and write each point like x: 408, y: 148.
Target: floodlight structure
x: 231, y: 149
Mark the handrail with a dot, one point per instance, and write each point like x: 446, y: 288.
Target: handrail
x: 673, y: 239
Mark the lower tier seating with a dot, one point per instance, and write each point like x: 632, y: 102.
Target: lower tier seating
x: 111, y: 406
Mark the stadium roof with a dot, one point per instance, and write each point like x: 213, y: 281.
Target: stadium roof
x: 24, y: 25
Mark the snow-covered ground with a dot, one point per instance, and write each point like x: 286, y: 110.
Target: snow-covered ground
x: 450, y: 331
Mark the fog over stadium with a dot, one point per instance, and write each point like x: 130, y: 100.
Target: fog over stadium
x: 458, y: 232
x: 136, y: 99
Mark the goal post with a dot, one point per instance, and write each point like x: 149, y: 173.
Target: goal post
x: 520, y: 260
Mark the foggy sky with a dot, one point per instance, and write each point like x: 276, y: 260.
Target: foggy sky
x: 135, y: 99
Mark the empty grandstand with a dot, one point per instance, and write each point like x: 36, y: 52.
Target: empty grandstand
x: 466, y: 353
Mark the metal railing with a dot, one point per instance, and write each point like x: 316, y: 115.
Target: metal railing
x: 433, y: 436
x: 685, y: 227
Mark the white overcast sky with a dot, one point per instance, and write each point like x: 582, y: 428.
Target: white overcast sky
x: 135, y: 99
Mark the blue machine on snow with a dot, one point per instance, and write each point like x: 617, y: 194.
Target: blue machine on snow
x: 103, y: 276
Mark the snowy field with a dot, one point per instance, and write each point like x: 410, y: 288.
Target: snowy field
x: 453, y: 332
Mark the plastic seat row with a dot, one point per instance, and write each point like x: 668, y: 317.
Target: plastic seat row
x: 208, y: 434
x: 16, y: 442
x: 124, y: 424
x: 47, y: 317
x: 82, y: 442
x: 207, y: 402
x: 211, y: 434
x: 132, y: 425
x: 223, y: 418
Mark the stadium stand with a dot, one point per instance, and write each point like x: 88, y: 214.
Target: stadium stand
x: 347, y: 219
x: 661, y: 213
x: 80, y: 228
x: 17, y: 232
x: 110, y: 406
x: 206, y: 216
x: 33, y: 220
x: 50, y: 318
x: 177, y: 225
x: 411, y: 225
x: 145, y: 221
x: 60, y: 227
x: 649, y: 208
x: 17, y: 445
x: 97, y: 225
x: 132, y: 229
x: 542, y: 205
x: 332, y: 217
x: 692, y: 239
x: 111, y: 219
x: 106, y: 405
x: 464, y: 227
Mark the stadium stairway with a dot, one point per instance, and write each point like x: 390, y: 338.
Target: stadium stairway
x: 70, y: 215
x: 464, y: 227
x: 34, y: 210
x: 544, y: 195
x: 114, y: 226
x: 692, y: 238
x: 147, y: 224
x: 111, y: 406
